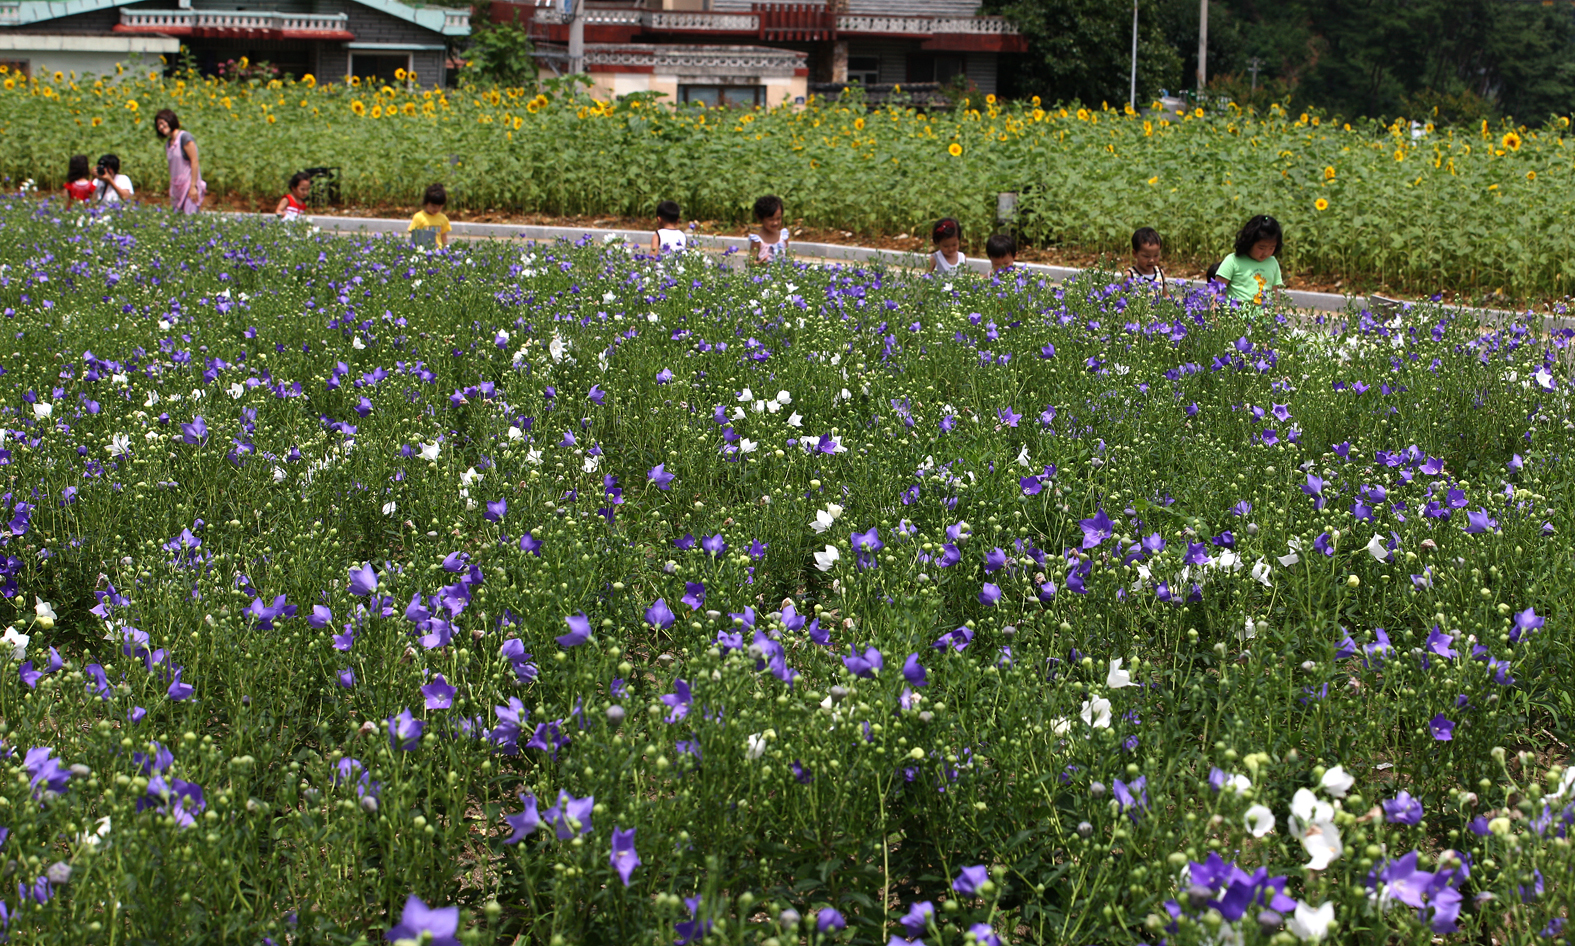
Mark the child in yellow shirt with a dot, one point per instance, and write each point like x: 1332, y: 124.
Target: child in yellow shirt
x: 430, y: 226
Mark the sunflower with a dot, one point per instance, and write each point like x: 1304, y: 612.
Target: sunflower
x: 309, y: 80
x: 1328, y: 173
x: 1039, y: 114
x: 989, y: 99
x: 858, y: 123
x: 954, y: 149
x: 97, y: 121
x: 1399, y: 154
x: 1321, y: 204
x: 354, y: 80
x: 358, y: 106
x: 1511, y: 141
x: 59, y: 75
x: 131, y: 105
x: 10, y: 83
x: 1082, y: 114
x: 399, y: 74
x: 1531, y: 175
x: 518, y: 123
x: 532, y: 107
x: 1154, y: 179
x: 377, y: 111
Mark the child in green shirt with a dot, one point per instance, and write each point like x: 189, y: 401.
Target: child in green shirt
x: 1252, y: 272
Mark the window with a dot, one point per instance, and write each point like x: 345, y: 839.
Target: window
x: 16, y: 67
x: 379, y: 67
x: 932, y: 67
x: 865, y: 70
x: 723, y: 96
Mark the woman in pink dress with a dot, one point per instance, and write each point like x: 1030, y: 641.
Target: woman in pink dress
x: 187, y: 188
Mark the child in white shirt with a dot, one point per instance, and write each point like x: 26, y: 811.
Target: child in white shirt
x: 772, y: 239
x: 109, y: 185
x: 947, y: 237
x: 668, y: 238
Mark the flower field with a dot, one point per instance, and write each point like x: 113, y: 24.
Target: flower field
x: 1478, y: 210
x: 555, y: 594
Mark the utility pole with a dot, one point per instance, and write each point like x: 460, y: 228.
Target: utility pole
x: 576, y: 11
x: 1132, y: 95
x: 1203, y: 45
x: 1253, y: 65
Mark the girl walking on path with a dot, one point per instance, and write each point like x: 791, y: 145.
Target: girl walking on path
x: 187, y: 188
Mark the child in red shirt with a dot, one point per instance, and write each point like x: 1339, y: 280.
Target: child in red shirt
x: 79, y: 179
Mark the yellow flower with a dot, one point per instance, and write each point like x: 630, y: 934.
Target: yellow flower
x: 1531, y: 175
x: 354, y: 80
x: 399, y: 74
x: 1321, y: 204
x: 954, y: 149
x: 10, y: 83
x: 1316, y: 121
x: 59, y: 75
x: 97, y: 121
x: 1154, y: 179
x: 1328, y: 173
x: 377, y: 111
x: 989, y: 99
x: 1399, y: 154
x: 309, y: 80
x: 1511, y: 141
x: 388, y: 92
x: 358, y: 106
x: 532, y: 107
x: 1082, y: 114
x: 518, y: 122
x: 1129, y: 109
x: 272, y: 120
x: 244, y: 62
x: 1564, y: 121
x: 1198, y: 113
x: 1035, y: 101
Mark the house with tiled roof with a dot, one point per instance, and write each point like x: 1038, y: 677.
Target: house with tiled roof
x: 329, y: 39
x: 742, y: 52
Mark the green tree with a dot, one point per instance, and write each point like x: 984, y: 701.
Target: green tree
x: 500, y: 53
x: 1082, y: 49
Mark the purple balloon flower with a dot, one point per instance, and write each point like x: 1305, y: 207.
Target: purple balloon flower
x: 579, y: 631
x: 439, y: 694
x: 363, y: 581
x: 624, y: 858
x: 196, y: 432
x: 660, y: 615
x: 829, y: 920
x: 1403, y: 809
x: 970, y: 880
x: 570, y: 816
x: 1443, y: 730
x: 1096, y: 529
x: 663, y: 479
x: 441, y: 923
x: 404, y: 731
x: 523, y: 823
x: 496, y: 510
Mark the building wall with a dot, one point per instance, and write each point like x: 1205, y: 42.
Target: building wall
x: 85, y: 54
x: 982, y: 71
x: 375, y: 26
x: 98, y: 21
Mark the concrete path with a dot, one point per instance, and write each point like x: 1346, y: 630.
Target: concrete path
x: 837, y: 253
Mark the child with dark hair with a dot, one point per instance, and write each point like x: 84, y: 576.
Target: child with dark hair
x: 430, y: 226
x: 293, y: 204
x: 111, y: 186
x: 772, y: 240
x: 668, y: 238
x: 1002, y: 250
x: 79, y: 180
x: 1147, y: 250
x: 947, y: 237
x: 1252, y: 272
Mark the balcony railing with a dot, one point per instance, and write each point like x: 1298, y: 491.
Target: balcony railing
x: 181, y: 21
x: 696, y: 22
x: 10, y: 14
x: 753, y: 61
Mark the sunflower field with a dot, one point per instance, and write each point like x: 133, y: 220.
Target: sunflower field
x: 1402, y: 204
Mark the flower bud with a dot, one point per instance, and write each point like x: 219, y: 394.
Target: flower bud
x: 615, y: 714
x: 1269, y: 921
x: 788, y: 918
x: 1084, y: 829
x: 1097, y: 790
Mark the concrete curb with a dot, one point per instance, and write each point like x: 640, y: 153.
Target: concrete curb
x: 837, y: 253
